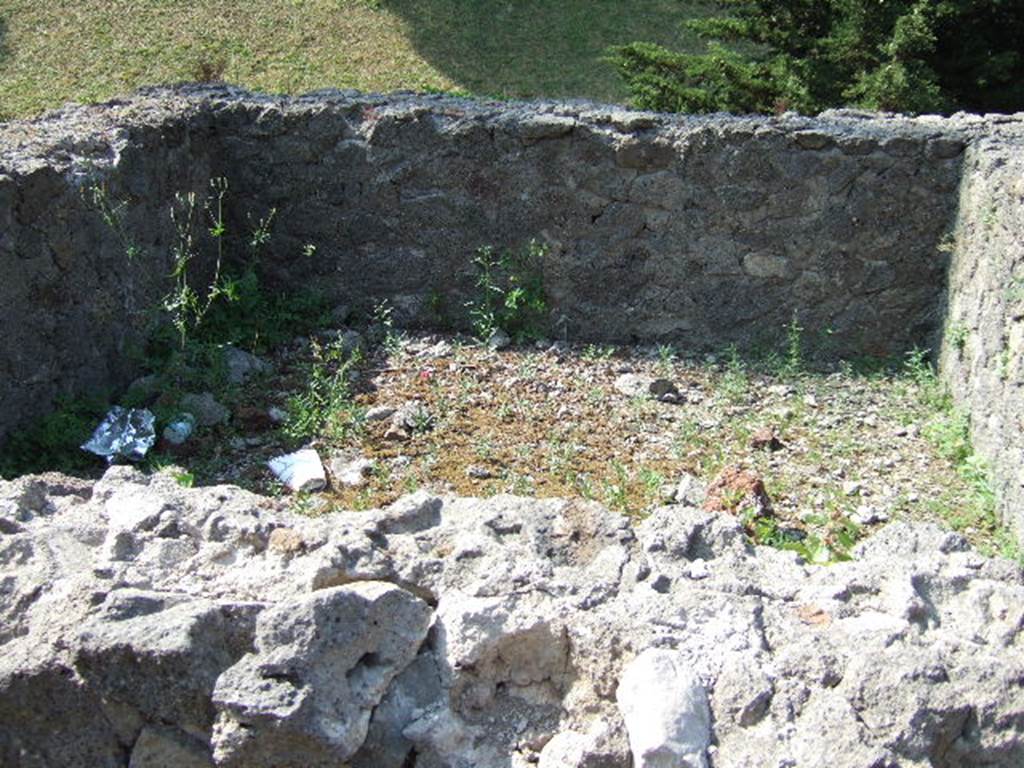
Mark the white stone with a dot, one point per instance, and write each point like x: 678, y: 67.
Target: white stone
x: 351, y: 474
x: 665, y: 708
x: 698, y: 570
x: 300, y: 471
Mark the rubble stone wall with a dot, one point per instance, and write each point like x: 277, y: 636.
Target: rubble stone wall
x: 983, y: 343
x: 701, y: 231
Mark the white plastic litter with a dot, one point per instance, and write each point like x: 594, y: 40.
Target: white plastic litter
x: 301, y: 471
x: 123, y: 434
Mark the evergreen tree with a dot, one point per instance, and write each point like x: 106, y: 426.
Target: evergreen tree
x: 808, y: 55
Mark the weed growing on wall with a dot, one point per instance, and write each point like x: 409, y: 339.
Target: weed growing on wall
x: 510, y: 293
x: 949, y: 431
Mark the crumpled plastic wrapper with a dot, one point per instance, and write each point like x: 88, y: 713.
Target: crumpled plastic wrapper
x: 123, y: 434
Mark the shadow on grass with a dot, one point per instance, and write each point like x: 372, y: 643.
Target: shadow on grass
x: 532, y: 48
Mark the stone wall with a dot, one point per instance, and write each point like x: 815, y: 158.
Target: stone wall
x: 73, y: 307
x: 701, y: 231
x: 983, y: 342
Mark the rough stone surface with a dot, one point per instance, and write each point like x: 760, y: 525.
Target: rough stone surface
x: 139, y: 619
x: 982, y: 356
x: 304, y: 696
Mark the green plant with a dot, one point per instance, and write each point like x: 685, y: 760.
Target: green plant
x: 186, y: 305
x: 831, y: 543
x: 184, y: 479
x: 511, y: 295
x: 735, y: 382
x: 958, y: 334
x: 666, y: 358
x: 382, y: 316
x: 1005, y: 358
x: 113, y: 214
x: 793, y: 358
x: 54, y: 440
x: 325, y: 406
x: 897, y: 55
x: 594, y: 352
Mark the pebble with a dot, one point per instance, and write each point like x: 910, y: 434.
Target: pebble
x: 866, y: 515
x: 351, y: 473
x: 379, y: 413
x: 499, y: 340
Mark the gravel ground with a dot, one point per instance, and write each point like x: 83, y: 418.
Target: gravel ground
x: 837, y: 453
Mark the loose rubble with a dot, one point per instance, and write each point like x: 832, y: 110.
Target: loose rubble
x: 146, y: 624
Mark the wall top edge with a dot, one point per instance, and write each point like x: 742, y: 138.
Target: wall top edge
x: 62, y: 138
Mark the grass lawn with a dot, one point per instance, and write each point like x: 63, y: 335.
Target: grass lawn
x: 54, y: 51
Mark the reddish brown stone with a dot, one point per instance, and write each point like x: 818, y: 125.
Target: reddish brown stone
x: 737, y: 489
x: 765, y: 439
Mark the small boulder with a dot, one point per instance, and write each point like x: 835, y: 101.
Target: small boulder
x: 735, y: 489
x: 351, y: 473
x: 499, y: 340
x: 666, y: 711
x: 379, y: 413
x: 690, y: 490
x: 242, y: 365
x: 638, y: 385
x: 207, y: 411
x: 765, y: 439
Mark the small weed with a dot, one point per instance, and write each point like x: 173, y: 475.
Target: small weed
x: 652, y: 480
x: 184, y: 479
x: 113, y: 214
x: 593, y: 352
x: 55, y: 440
x: 958, y: 335
x: 735, y: 382
x: 511, y: 293
x: 325, y: 407
x: 1015, y: 290
x: 793, y: 359
x: 666, y: 359
x: 1004, y: 363
x: 184, y: 304
x: 383, y: 318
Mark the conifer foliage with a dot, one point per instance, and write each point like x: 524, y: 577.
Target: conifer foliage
x: 808, y: 55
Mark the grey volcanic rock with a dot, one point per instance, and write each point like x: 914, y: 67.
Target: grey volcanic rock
x: 142, y: 619
x: 304, y: 697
